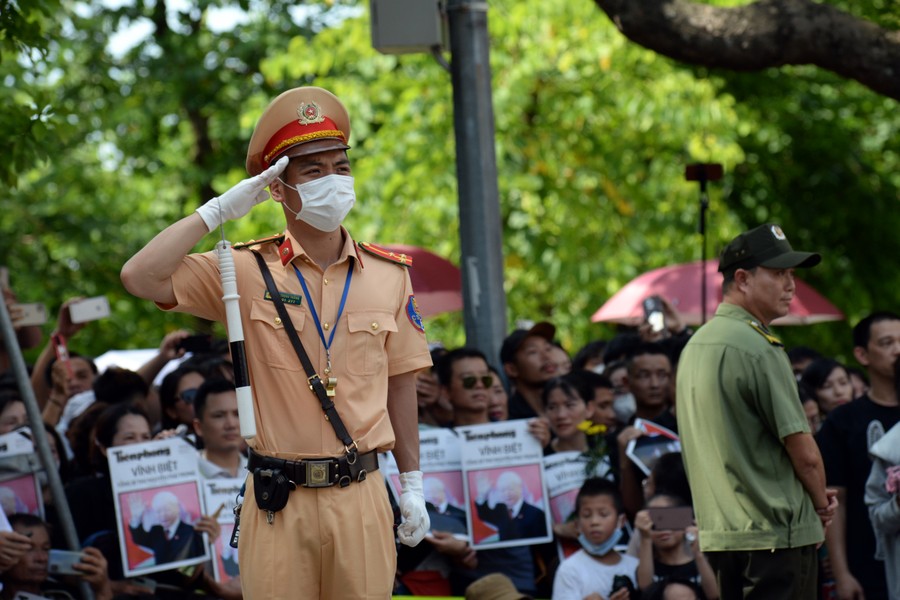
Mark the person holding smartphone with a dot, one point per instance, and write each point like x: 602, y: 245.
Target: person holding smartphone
x: 28, y: 336
x: 670, y: 549
x: 31, y: 574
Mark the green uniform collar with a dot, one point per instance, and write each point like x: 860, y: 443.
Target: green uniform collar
x: 736, y: 312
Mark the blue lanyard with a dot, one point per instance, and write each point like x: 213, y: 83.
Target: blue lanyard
x: 315, y: 315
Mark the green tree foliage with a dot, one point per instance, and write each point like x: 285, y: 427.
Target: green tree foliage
x: 26, y: 125
x: 593, y: 134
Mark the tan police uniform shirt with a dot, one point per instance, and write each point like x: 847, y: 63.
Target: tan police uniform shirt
x: 378, y: 336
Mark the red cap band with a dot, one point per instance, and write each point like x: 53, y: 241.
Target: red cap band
x: 296, y: 133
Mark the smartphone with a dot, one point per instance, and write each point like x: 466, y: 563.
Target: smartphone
x: 621, y: 581
x: 671, y: 518
x: 201, y: 342
x: 62, y: 562
x: 89, y: 309
x: 33, y: 313
x: 653, y: 313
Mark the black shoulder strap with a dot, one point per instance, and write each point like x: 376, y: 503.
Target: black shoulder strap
x: 313, y: 379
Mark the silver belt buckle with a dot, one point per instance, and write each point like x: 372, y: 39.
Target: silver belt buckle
x: 317, y: 473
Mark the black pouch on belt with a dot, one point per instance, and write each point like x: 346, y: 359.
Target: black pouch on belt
x: 271, y: 489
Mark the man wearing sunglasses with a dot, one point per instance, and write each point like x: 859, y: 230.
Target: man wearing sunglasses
x: 466, y: 380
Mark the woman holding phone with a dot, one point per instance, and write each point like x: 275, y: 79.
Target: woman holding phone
x: 31, y: 574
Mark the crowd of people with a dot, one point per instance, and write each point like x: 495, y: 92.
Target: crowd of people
x: 776, y: 448
x: 606, y: 383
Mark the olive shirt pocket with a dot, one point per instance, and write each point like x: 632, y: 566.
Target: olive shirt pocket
x: 270, y: 339
x: 368, y: 335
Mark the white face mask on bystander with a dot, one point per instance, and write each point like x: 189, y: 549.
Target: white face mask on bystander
x: 325, y: 201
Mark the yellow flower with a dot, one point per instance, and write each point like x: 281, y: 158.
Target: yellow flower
x: 591, y: 428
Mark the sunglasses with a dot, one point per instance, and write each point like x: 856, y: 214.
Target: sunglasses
x: 188, y: 395
x: 470, y: 381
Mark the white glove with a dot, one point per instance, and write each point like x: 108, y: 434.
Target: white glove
x: 237, y: 202
x: 414, y: 521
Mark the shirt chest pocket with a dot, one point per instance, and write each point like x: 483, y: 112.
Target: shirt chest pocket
x: 369, y: 329
x: 269, y: 341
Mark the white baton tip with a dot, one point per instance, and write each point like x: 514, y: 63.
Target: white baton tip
x: 246, y: 417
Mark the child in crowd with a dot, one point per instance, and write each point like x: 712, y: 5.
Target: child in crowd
x: 597, y: 568
x: 663, y: 554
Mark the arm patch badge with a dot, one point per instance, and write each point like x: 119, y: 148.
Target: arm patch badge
x: 412, y: 313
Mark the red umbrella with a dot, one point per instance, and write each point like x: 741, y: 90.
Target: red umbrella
x: 436, y: 281
x: 680, y: 285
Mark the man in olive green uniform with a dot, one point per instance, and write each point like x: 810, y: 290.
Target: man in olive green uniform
x: 755, y: 471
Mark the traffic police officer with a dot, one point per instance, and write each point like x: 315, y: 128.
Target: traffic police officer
x: 353, y: 308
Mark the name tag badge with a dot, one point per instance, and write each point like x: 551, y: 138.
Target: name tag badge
x: 285, y: 297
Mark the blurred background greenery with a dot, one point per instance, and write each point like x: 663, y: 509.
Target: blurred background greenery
x: 121, y: 117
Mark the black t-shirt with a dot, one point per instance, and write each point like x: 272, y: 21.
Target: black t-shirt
x: 519, y: 408
x: 687, y: 571
x: 844, y: 441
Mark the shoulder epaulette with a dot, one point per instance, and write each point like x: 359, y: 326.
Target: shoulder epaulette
x: 389, y: 255
x: 769, y: 337
x: 278, y: 238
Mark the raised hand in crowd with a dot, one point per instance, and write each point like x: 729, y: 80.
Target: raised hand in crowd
x: 13, y: 546
x: 673, y: 324
x: 28, y: 336
x: 210, y: 526
x: 168, y: 350
x: 95, y: 571
x: 539, y: 428
x: 64, y: 382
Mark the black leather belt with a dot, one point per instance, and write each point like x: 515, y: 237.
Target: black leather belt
x: 319, y: 472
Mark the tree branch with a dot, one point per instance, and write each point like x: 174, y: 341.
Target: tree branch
x: 766, y: 33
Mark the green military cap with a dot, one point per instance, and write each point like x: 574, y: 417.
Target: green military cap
x: 764, y: 246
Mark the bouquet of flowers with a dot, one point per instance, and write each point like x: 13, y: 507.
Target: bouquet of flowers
x: 596, y: 445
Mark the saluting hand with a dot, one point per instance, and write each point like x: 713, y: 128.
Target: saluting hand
x: 237, y: 202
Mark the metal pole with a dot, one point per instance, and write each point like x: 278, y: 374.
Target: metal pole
x: 480, y: 231
x: 39, y: 436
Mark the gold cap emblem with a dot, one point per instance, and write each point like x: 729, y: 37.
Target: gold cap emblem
x: 778, y: 233
x: 309, y: 113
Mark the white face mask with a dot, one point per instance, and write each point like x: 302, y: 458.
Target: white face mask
x: 325, y: 201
